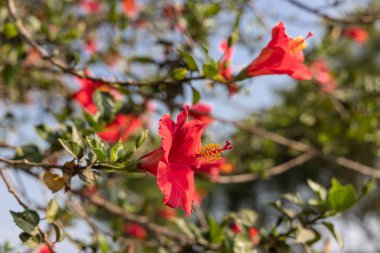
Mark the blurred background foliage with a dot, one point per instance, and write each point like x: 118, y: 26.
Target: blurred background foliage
x: 142, y: 45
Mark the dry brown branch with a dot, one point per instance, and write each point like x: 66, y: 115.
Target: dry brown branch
x: 279, y: 169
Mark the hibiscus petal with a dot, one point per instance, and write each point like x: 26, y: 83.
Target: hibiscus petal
x: 166, y: 131
x: 176, y: 182
x: 150, y: 161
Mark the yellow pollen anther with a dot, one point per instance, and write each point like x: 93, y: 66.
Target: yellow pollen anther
x: 210, y: 152
x: 298, y: 44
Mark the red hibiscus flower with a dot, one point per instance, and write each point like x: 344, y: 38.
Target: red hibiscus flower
x: 254, y: 235
x: 90, y: 6
x: 201, y: 112
x: 215, y: 168
x: 120, y: 128
x: 85, y: 94
x: 135, y: 230
x: 225, y: 67
x: 323, y: 76
x: 130, y: 8
x: 177, y: 158
x: 357, y: 34
x: 283, y: 55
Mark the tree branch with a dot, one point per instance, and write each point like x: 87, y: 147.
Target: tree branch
x: 281, y: 168
x: 367, y: 19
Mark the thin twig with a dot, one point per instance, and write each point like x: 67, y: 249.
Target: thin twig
x: 12, y: 191
x: 365, y: 19
x: 279, y: 169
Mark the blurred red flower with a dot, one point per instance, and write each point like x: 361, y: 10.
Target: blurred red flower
x: 254, y: 235
x: 177, y: 158
x: 357, y: 34
x: 283, y: 55
x: 167, y: 213
x: 135, y: 230
x: 120, y: 128
x: 225, y: 67
x: 201, y: 112
x: 90, y: 6
x: 44, y: 249
x: 215, y: 168
x: 84, y: 95
x: 323, y: 76
x: 130, y: 8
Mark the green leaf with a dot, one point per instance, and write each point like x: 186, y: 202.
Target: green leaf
x: 210, y: 70
x: 141, y: 138
x: 89, y: 176
x: 180, y: 73
x: 59, y: 233
x: 319, y: 190
x: 52, y: 210
x: 335, y: 234
x: 212, y: 10
x: 10, y: 30
x: 99, y: 147
x: 104, y: 245
x: 116, y: 151
x: 368, y: 187
x: 27, y: 220
x: 32, y: 241
x: 30, y: 152
x: 73, y: 148
x: 190, y: 62
x: 341, y: 198
x: 215, y: 230
x: 196, y: 95
x: 105, y: 103
x: 295, y: 198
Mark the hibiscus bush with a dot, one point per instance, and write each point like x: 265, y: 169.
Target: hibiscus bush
x: 125, y: 115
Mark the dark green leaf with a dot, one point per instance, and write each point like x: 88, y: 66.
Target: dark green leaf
x: 335, y: 233
x: 190, y: 62
x: 32, y: 241
x: 59, y: 233
x: 27, y: 220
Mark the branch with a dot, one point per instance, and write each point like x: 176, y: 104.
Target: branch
x: 281, y: 168
x: 99, y: 201
x: 368, y: 19
x: 12, y: 191
x: 296, y: 145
